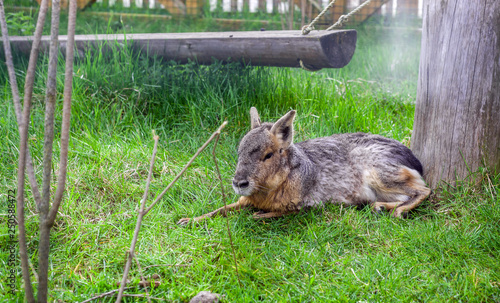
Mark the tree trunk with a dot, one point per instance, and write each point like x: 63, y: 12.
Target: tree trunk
x: 457, y: 114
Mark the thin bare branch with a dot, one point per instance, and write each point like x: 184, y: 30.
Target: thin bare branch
x: 105, y: 294
x: 142, y: 277
x: 50, y: 102
x: 139, y: 221
x: 142, y: 296
x: 17, y: 102
x: 23, y: 147
x: 68, y: 90
x: 48, y: 140
x: 225, y: 209
x: 158, y: 198
x: 143, y: 211
x: 167, y: 265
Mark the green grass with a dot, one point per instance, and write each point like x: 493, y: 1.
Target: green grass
x: 447, y: 251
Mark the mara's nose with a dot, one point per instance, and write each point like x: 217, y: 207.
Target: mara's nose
x: 241, y: 183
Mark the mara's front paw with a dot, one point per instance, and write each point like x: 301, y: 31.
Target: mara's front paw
x: 183, y: 221
x: 398, y: 213
x: 378, y: 208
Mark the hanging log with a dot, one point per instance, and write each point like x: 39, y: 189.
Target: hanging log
x: 332, y: 49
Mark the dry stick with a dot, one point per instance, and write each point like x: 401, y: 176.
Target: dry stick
x: 48, y: 140
x: 17, y: 102
x: 49, y: 215
x: 169, y: 265
x: 143, y: 212
x: 142, y: 277
x: 139, y: 221
x: 105, y: 294
x: 23, y: 147
x: 216, y: 133
x: 225, y: 209
x: 66, y: 114
x: 142, y: 296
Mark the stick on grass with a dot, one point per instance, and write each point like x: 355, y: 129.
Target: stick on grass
x: 139, y: 221
x: 225, y: 210
x: 216, y: 133
x: 143, y: 211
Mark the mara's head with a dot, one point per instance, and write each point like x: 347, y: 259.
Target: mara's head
x: 263, y: 155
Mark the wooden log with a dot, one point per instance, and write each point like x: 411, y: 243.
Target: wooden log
x: 318, y: 49
x: 457, y: 113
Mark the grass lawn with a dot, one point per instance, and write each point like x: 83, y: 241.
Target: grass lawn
x: 448, y: 250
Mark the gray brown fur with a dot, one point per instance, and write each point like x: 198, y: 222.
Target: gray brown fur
x: 279, y: 177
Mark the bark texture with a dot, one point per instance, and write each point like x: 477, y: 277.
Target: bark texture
x: 457, y: 115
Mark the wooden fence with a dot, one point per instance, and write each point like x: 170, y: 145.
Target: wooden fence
x: 304, y: 10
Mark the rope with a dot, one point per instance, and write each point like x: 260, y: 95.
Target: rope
x: 308, y: 28
x: 342, y: 19
x: 308, y: 67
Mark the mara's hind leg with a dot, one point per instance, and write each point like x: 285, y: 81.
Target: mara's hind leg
x: 406, y: 184
x: 383, y: 206
x: 414, y: 201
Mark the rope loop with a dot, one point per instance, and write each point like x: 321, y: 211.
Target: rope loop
x: 344, y: 18
x: 310, y: 27
x: 308, y: 67
x: 306, y: 29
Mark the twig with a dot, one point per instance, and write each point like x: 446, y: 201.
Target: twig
x: 139, y: 220
x: 142, y: 277
x: 17, y: 102
x: 68, y: 91
x: 225, y: 210
x: 169, y: 265
x: 217, y: 132
x: 104, y: 294
x: 142, y: 296
x: 23, y: 147
x: 48, y: 140
x: 143, y: 211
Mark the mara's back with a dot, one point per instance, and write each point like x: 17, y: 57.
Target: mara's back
x: 348, y: 165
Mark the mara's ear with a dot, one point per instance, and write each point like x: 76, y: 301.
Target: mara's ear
x: 254, y: 118
x: 283, y: 129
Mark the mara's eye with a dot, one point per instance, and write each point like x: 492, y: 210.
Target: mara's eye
x: 269, y: 155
